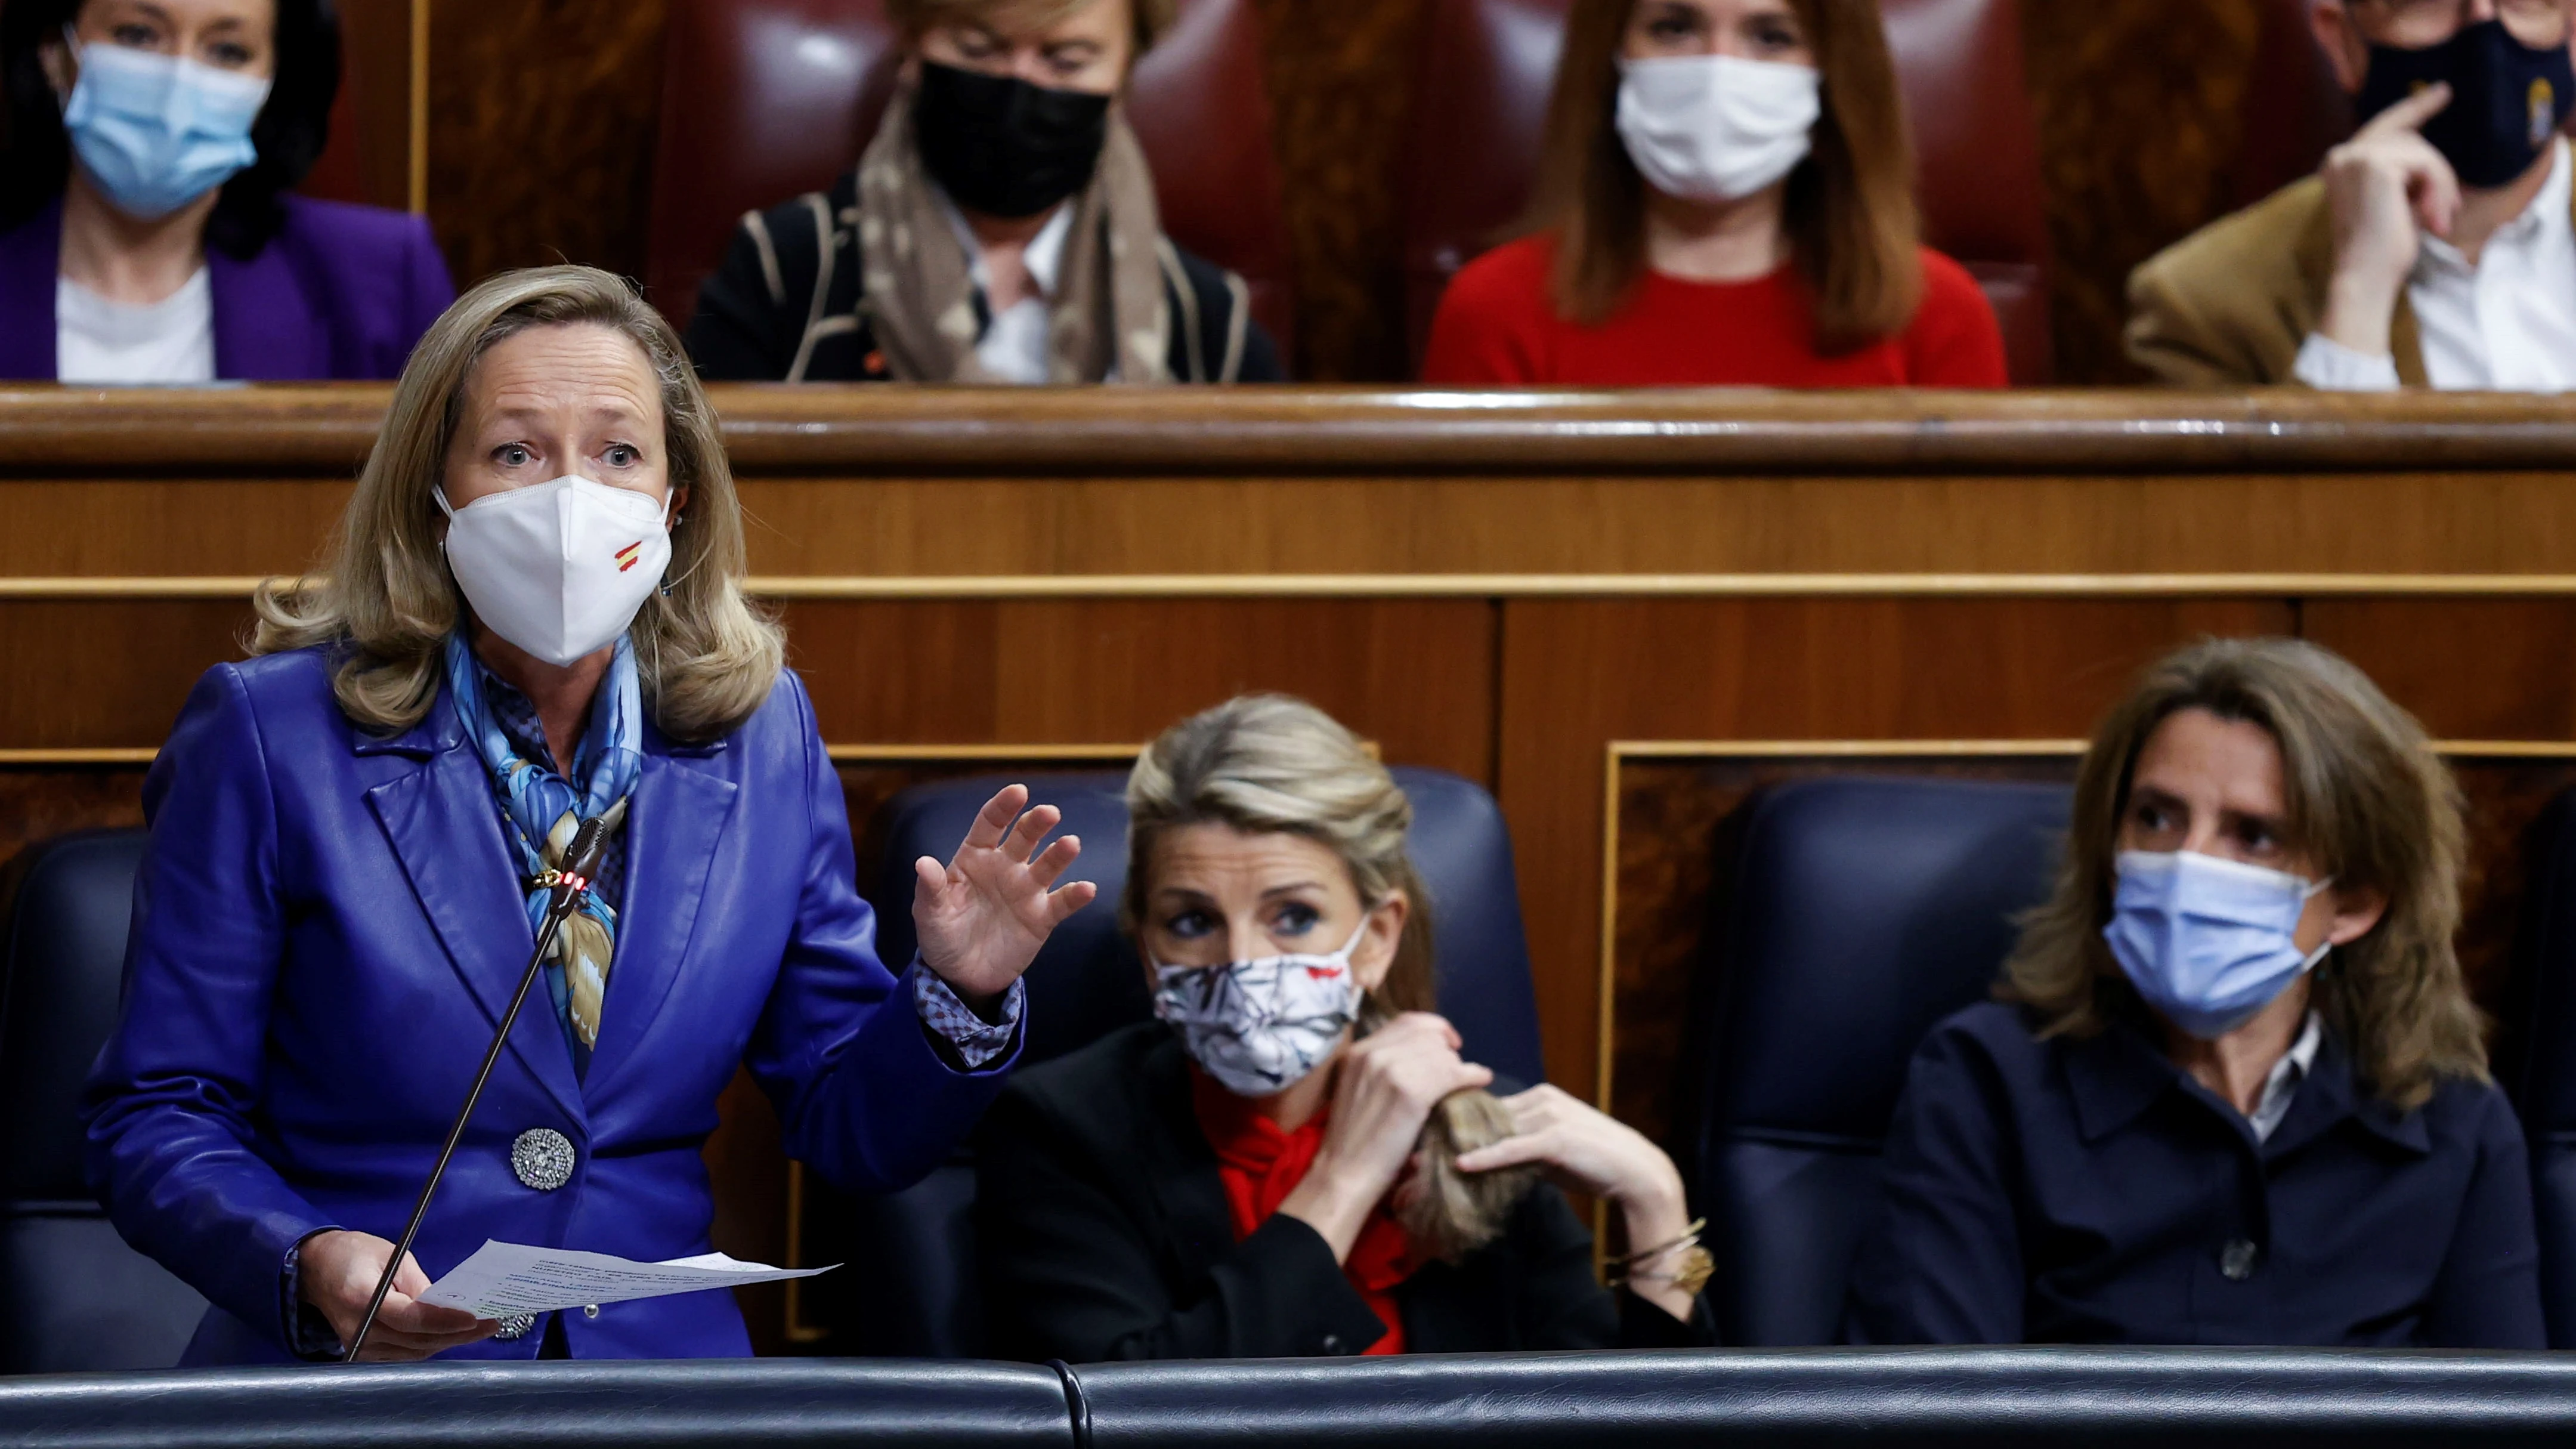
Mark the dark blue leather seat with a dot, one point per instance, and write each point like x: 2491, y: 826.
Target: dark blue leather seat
x: 2536, y: 1060
x: 1857, y: 913
x: 909, y: 1286
x: 72, y: 1294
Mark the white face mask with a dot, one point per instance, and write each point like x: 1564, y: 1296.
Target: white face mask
x: 1713, y: 128
x: 1257, y: 1026
x: 558, y: 568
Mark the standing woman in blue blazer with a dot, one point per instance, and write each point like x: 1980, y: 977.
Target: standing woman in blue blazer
x: 532, y: 617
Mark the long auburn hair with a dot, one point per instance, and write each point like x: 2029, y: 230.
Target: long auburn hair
x: 2367, y: 799
x: 1850, y: 215
x: 1268, y: 764
x: 384, y: 602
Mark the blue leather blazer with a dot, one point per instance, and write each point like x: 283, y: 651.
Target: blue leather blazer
x: 326, y: 931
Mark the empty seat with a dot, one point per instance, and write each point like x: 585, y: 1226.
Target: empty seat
x: 2536, y: 1060
x: 909, y: 1289
x: 73, y: 1296
x: 763, y: 100
x: 1858, y: 912
x: 1489, y: 65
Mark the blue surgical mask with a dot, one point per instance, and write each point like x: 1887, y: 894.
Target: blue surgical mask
x: 155, y: 132
x: 2507, y: 98
x: 2207, y: 942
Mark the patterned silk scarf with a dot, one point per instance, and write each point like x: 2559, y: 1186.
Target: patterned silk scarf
x: 542, y: 810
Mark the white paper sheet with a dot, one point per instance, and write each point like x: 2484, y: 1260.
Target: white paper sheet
x: 501, y: 1279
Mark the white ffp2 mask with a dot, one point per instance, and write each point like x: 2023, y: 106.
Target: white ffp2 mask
x: 1713, y: 128
x: 558, y: 568
x: 1257, y: 1026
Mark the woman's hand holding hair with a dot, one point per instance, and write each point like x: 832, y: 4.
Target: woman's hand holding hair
x: 1386, y: 1085
x: 336, y: 1272
x: 982, y: 917
x: 1589, y: 1151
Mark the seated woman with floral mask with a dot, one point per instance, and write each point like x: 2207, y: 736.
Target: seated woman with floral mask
x: 1296, y: 1159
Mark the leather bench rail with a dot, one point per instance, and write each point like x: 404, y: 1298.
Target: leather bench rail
x: 1898, y: 1397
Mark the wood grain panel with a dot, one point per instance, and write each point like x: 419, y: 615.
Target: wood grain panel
x: 2478, y: 669
x: 1414, y: 675
x: 106, y: 673
x: 39, y: 803
x: 1673, y: 842
x: 540, y: 142
x: 1577, y: 675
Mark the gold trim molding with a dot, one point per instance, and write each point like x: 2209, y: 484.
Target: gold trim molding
x: 1478, y: 586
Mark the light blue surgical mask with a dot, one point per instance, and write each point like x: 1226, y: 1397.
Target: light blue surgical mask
x: 2207, y: 942
x: 155, y: 132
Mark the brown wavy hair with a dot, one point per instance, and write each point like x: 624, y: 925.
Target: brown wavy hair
x: 384, y: 602
x: 2369, y: 803
x: 1152, y: 18
x: 1266, y: 763
x: 1854, y: 232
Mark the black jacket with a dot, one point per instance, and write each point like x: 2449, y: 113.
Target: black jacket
x: 759, y: 318
x: 1104, y: 1234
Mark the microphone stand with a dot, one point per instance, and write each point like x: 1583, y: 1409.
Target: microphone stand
x: 581, y: 864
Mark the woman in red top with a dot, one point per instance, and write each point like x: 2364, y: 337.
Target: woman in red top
x: 1296, y: 1160
x: 1726, y: 198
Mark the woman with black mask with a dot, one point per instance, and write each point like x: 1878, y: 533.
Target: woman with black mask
x: 1000, y: 228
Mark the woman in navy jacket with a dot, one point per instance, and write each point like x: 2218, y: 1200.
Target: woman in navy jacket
x: 2235, y: 1092
x: 507, y: 639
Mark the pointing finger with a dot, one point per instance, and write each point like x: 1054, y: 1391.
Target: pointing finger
x: 2411, y: 113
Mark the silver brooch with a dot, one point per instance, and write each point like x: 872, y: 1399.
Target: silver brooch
x: 542, y: 1157
x: 515, y: 1327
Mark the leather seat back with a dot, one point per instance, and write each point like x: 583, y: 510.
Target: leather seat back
x: 1858, y: 912
x: 763, y: 100
x: 909, y: 1289
x: 2536, y: 1060
x: 73, y: 1296
x: 1489, y: 66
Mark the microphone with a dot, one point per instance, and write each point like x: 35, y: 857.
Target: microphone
x: 569, y: 883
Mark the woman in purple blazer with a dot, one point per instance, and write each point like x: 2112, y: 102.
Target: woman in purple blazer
x: 146, y: 230
x: 532, y: 619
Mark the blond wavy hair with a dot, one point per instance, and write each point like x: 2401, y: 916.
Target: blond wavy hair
x: 383, y: 602
x: 2370, y: 804
x: 1266, y: 763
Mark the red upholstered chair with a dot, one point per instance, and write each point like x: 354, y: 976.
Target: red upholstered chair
x: 1488, y: 66
x: 766, y: 99
x: 2293, y: 112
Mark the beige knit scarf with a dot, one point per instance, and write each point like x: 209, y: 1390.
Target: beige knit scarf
x: 1108, y: 308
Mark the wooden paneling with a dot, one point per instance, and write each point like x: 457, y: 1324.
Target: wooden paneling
x: 109, y: 673
x: 542, y: 114
x: 1414, y: 675
x: 2471, y: 669
x: 1579, y: 674
x: 41, y: 802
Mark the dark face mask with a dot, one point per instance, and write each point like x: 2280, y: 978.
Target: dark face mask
x: 2507, y: 99
x: 1001, y: 146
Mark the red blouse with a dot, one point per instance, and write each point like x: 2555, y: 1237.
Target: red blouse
x: 1497, y: 326
x: 1260, y: 1165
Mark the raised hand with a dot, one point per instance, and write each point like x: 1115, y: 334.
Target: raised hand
x: 981, y: 918
x: 2386, y: 188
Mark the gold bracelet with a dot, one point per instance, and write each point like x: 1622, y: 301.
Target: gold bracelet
x: 1689, y: 1236
x: 1693, y: 1273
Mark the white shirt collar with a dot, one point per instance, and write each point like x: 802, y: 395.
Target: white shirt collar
x: 1044, y: 256
x: 2544, y: 222
x: 2283, y: 1084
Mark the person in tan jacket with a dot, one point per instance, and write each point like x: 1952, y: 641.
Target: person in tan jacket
x: 2436, y: 248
